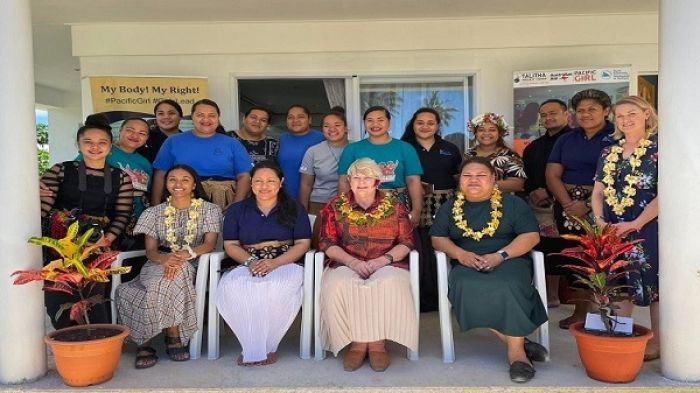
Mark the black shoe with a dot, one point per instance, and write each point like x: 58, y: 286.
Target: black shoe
x: 521, y: 372
x: 536, y: 352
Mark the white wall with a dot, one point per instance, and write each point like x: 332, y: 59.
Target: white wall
x: 490, y: 48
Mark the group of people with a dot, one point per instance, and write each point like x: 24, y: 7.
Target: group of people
x: 377, y: 199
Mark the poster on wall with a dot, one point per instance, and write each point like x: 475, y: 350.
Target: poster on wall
x: 531, y: 88
x: 121, y: 97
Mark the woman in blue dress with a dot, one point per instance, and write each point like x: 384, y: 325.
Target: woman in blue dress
x: 625, y: 195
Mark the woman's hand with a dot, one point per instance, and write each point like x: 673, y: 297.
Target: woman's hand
x: 415, y: 217
x: 362, y: 268
x: 490, y: 262
x: 623, y: 227
x: 576, y: 209
x: 262, y: 267
x: 173, y: 262
x: 469, y: 259
x: 377, y: 263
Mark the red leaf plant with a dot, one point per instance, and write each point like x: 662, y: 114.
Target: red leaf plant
x: 602, y: 253
x: 71, y: 273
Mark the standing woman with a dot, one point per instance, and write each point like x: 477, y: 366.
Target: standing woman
x: 162, y: 297
x: 440, y: 161
x: 489, y: 130
x: 93, y: 193
x: 168, y: 115
x: 319, y: 168
x: 625, y: 195
x: 221, y: 162
x: 398, y: 162
x: 268, y: 235
x: 572, y: 166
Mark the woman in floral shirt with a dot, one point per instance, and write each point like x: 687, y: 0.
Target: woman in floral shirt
x: 625, y: 195
x: 489, y: 130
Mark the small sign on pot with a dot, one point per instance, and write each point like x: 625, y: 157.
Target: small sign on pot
x: 621, y: 325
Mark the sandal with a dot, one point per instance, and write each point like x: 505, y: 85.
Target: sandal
x: 521, y: 372
x: 175, y: 350
x: 145, y: 357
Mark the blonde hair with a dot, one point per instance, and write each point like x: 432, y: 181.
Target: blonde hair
x: 365, y: 166
x: 651, y: 125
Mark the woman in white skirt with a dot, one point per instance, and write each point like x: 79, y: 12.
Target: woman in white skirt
x: 267, y: 234
x: 162, y: 297
x: 366, y: 296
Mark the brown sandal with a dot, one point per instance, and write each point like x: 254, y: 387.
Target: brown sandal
x: 145, y: 357
x: 176, y: 351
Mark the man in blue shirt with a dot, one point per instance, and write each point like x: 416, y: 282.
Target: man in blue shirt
x: 293, y: 146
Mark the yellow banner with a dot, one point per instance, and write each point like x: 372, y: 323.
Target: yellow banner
x: 140, y: 94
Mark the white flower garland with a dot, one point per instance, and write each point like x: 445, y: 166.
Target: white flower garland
x: 191, y: 226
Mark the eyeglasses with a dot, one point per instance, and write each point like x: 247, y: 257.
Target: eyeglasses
x: 362, y: 179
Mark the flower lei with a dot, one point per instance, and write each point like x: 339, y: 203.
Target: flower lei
x: 619, y: 205
x: 491, y: 226
x: 191, y: 226
x: 384, y: 209
x: 489, y: 117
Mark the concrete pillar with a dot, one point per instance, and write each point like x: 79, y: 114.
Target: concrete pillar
x: 22, y: 351
x: 679, y: 95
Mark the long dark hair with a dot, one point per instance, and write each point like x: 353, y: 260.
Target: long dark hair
x: 198, y: 190
x: 409, y: 134
x: 286, y: 206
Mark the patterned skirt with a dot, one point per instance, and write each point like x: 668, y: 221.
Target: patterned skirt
x: 431, y: 204
x: 357, y: 310
x: 566, y: 224
x: 260, y: 310
x: 150, y: 303
x: 220, y: 192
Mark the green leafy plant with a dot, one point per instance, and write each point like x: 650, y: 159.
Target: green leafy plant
x: 601, y: 250
x: 79, y: 267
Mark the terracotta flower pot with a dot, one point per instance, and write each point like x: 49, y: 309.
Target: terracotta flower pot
x: 611, y: 359
x: 84, y: 363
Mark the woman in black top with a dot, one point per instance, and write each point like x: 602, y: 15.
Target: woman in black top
x: 168, y: 115
x: 440, y: 161
x: 91, y: 192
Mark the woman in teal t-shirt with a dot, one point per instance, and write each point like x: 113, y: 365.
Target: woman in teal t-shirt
x: 397, y: 160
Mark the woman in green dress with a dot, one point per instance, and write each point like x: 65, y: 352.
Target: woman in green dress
x: 488, y: 235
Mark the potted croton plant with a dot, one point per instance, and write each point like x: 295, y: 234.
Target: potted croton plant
x: 86, y: 354
x: 611, y: 347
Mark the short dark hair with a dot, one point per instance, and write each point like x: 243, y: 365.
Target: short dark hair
x: 377, y: 108
x: 596, y: 95
x: 305, y: 109
x: 477, y: 160
x: 206, y: 101
x: 170, y: 102
x: 258, y: 108
x: 561, y: 103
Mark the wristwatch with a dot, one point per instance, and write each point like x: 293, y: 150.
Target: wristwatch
x: 389, y: 257
x: 503, y: 254
x: 250, y: 260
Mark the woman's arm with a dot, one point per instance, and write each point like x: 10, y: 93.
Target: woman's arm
x: 209, y: 243
x: 123, y: 208
x: 242, y: 187
x: 597, y: 199
x: 262, y: 267
x: 234, y: 249
x: 339, y: 255
x: 521, y: 245
x: 553, y: 174
x: 158, y: 187
x: 453, y: 251
x: 415, y: 193
x: 305, y: 186
x: 650, y: 212
x: 52, y: 180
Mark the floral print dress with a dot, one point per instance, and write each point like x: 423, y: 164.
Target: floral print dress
x: 645, y: 280
x: 505, y: 161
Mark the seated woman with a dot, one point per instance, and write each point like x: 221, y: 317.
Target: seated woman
x: 90, y: 191
x: 488, y: 235
x: 268, y: 234
x: 366, y: 235
x: 162, y: 297
x: 489, y: 130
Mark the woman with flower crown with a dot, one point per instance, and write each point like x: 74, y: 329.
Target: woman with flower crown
x: 625, y: 195
x: 489, y: 129
x: 267, y: 235
x: 162, y: 297
x: 365, y: 295
x: 488, y: 235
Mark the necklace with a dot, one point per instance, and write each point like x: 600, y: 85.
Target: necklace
x: 384, y: 209
x: 491, y: 226
x: 619, y: 205
x: 190, y: 227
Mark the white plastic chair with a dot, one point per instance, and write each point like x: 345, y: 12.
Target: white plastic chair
x: 318, y: 275
x: 200, y: 286
x: 444, y: 306
x: 306, y: 306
